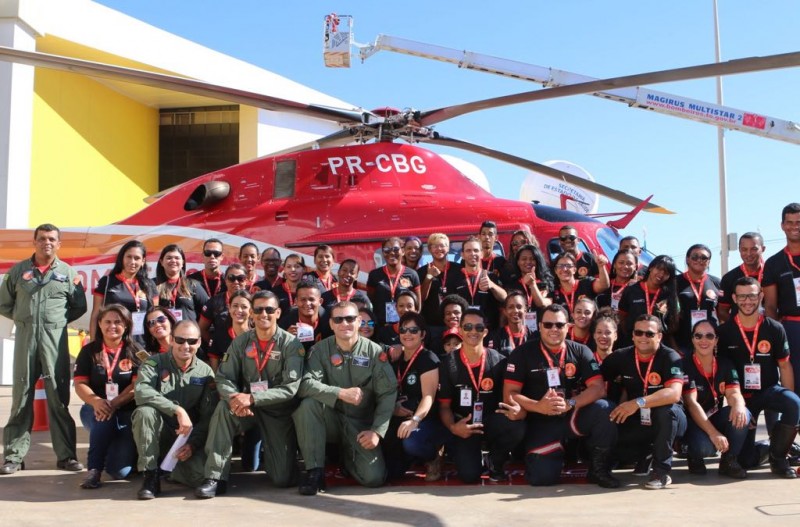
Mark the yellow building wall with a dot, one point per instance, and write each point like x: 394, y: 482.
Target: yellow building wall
x: 94, y: 152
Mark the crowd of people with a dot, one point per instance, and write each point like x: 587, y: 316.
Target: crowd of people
x: 477, y: 361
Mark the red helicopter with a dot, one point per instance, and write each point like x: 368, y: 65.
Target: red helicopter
x: 349, y: 197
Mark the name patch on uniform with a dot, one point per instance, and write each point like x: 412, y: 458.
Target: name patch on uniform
x: 275, y: 355
x: 58, y: 277
x: 361, y: 361
x: 198, y: 381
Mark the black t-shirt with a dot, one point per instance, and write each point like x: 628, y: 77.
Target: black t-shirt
x: 410, y: 386
x: 212, y: 286
x: 454, y: 377
x: 468, y: 288
x: 388, y: 335
x: 266, y: 285
x: 89, y: 367
x: 710, y: 392
x: 321, y: 330
x: 189, y: 306
x: 314, y: 278
x: 770, y: 349
x: 111, y: 290
x: 582, y: 289
x: 687, y: 300
x: 331, y: 298
x: 383, y: 291
x: 612, y: 296
x: 622, y: 370
x: 440, y: 288
x: 494, y: 267
x: 585, y: 266
x: 528, y: 365
x: 779, y: 272
x: 634, y: 303
x: 504, y: 341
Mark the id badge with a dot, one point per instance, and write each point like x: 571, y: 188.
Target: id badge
x: 112, y: 391
x: 177, y: 313
x: 466, y: 397
x: 259, y: 386
x: 644, y: 416
x: 477, y: 412
x: 530, y: 321
x: 615, y: 301
x: 698, y: 315
x: 138, y: 322
x: 797, y: 290
x: 475, y: 307
x: 553, y: 377
x: 391, y: 313
x: 305, y: 333
x: 752, y: 376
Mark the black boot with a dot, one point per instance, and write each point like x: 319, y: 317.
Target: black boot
x: 313, y: 482
x: 211, y: 488
x: 151, y: 487
x: 729, y: 466
x: 779, y: 444
x: 599, y: 471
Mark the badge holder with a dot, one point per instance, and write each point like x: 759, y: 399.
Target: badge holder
x: 391, y: 313
x: 644, y: 417
x: 112, y: 391
x: 138, y: 323
x: 305, y: 333
x: 531, y: 321
x: 752, y: 376
x: 259, y: 386
x: 477, y: 412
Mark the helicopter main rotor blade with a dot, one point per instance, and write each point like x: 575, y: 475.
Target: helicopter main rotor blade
x: 342, y: 137
x: 731, y: 67
x: 184, y: 85
x: 548, y: 171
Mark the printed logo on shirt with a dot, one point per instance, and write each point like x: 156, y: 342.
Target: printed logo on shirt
x: 583, y: 271
x: 336, y: 359
x: 654, y: 379
x: 569, y: 369
x: 405, y: 282
x: 125, y: 365
x: 764, y: 346
x: 488, y: 383
x: 511, y: 368
x: 411, y: 379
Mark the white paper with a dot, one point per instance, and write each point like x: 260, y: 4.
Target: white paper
x: 170, y: 460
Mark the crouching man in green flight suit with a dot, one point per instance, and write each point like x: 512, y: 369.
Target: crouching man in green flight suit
x: 173, y: 397
x: 348, y: 395
x: 257, y: 381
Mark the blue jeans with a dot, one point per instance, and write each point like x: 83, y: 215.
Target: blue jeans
x: 700, y: 444
x: 111, y: 446
x: 792, y: 328
x: 424, y: 442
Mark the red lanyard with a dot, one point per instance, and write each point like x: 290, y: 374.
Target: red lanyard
x: 597, y: 358
x: 446, y: 268
x: 639, y: 371
x: 489, y: 262
x: 526, y: 290
x: 477, y: 384
x: 522, y: 336
x: 134, y: 291
x: 561, y: 361
x: 472, y: 286
x: 208, y: 287
x: 698, y: 293
x: 393, y: 285
x: 573, y: 338
x: 790, y: 257
x: 347, y: 298
x: 650, y: 305
x: 231, y: 333
x: 261, y: 365
x: 106, y: 352
x: 569, y: 298
x: 408, y: 367
x: 713, y: 377
x: 288, y: 292
x: 327, y: 283
x: 174, y: 291
x: 758, y: 275
x: 616, y: 293
x: 751, y: 346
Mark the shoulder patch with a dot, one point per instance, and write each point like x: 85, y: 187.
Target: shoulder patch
x: 675, y: 370
x: 383, y: 357
x: 224, y: 357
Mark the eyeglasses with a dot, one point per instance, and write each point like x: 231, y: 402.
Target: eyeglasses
x: 414, y: 330
x: 642, y: 333
x: 370, y: 323
x: 269, y: 310
x: 212, y: 254
x: 570, y: 238
x: 748, y: 296
x: 476, y: 327
x: 184, y: 340
x: 699, y: 258
x: 236, y: 278
x: 161, y: 319
x: 349, y: 319
x: 551, y: 325
x: 390, y: 250
x: 707, y: 336
x: 564, y: 267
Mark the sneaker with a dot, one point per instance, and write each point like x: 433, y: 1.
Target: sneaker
x: 9, y: 467
x: 92, y: 480
x: 498, y: 476
x: 658, y: 481
x: 642, y: 467
x: 697, y: 466
x: 70, y: 465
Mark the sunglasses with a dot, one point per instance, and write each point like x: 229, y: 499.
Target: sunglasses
x: 390, y: 250
x: 161, y: 319
x: 570, y: 238
x: 236, y: 278
x: 551, y: 325
x: 642, y: 333
x: 184, y: 340
x: 370, y: 323
x: 349, y: 319
x: 749, y: 296
x: 269, y: 310
x: 701, y: 336
x: 414, y: 330
x: 699, y: 258
x: 212, y: 254
x: 477, y: 327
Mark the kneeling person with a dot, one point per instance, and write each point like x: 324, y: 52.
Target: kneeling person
x: 173, y: 397
x: 257, y: 381
x: 348, y: 395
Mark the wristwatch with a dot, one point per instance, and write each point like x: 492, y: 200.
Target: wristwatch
x: 416, y: 419
x: 571, y: 403
x: 640, y: 402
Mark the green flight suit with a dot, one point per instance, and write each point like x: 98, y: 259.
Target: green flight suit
x: 272, y: 410
x: 323, y: 417
x: 161, y: 386
x: 41, y: 306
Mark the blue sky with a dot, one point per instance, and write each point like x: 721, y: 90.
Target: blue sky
x: 638, y: 152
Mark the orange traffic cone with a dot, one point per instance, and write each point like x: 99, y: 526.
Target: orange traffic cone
x: 40, y: 421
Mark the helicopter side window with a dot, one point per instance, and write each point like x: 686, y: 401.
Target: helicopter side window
x: 285, y: 176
